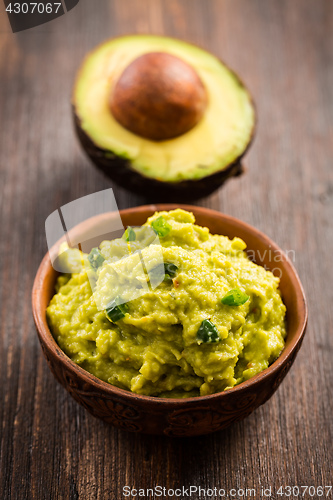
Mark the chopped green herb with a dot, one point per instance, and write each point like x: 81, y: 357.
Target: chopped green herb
x: 129, y: 234
x: 208, y: 332
x: 95, y: 258
x: 116, y: 311
x: 168, y: 269
x: 235, y: 298
x: 161, y: 227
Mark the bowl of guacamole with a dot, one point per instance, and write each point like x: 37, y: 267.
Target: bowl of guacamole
x: 181, y: 325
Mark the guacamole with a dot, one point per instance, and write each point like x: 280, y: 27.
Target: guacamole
x: 169, y: 310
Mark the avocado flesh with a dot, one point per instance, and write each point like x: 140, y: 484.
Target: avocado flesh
x: 216, y: 142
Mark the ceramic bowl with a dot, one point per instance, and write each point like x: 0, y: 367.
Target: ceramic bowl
x: 176, y: 417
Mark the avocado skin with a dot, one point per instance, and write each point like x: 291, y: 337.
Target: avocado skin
x: 120, y: 171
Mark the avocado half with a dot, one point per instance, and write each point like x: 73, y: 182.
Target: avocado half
x: 188, y: 166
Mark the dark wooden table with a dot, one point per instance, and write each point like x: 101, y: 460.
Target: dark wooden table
x: 50, y: 447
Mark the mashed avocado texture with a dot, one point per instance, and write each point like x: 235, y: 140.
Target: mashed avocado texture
x: 169, y: 310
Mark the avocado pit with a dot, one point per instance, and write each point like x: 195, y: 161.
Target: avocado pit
x: 158, y: 96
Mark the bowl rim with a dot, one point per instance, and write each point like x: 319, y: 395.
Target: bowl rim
x: 46, y: 336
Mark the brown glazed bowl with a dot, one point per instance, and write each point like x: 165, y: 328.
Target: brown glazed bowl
x: 177, y: 417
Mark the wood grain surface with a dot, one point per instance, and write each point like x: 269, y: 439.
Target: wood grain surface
x: 50, y: 448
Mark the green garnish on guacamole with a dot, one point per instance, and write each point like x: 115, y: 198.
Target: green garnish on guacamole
x: 161, y: 226
x: 235, y: 298
x: 95, y: 258
x: 207, y: 332
x: 129, y: 234
x: 197, y: 322
x: 115, y: 310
